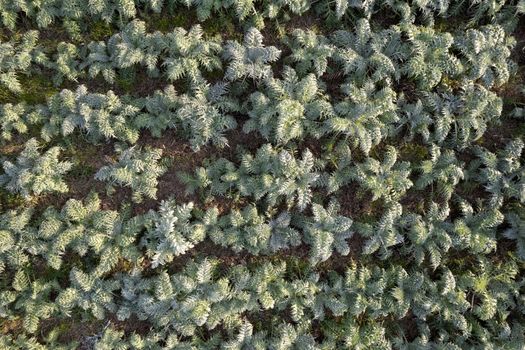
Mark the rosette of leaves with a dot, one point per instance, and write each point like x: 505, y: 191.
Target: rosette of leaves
x: 66, y: 63
x: 159, y: 111
x: 99, y: 61
x: 17, y: 57
x: 487, y: 53
x: 442, y: 169
x: 15, y: 231
x: 205, y: 9
x: 366, y: 55
x: 187, y: 52
x: 430, y: 58
x: 310, y: 52
x: 290, y: 108
x: 383, y: 233
x: 296, y: 7
x: 250, y: 230
x: 326, y: 231
x: 129, y: 47
x: 428, y: 235
x: 14, y: 119
x: 35, y: 173
x: 495, y: 287
x: 100, y: 116
x: 88, y: 292
x: 459, y: 119
x: 33, y: 300
x: 82, y: 227
x: 171, y: 231
x: 270, y: 175
x: 502, y: 174
x: 387, y: 180
x: 204, y: 114
x: 136, y: 168
x: 251, y: 59
x: 365, y: 115
x: 476, y: 228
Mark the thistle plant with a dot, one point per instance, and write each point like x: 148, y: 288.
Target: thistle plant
x: 249, y: 230
x: 268, y: 175
x: 364, y: 116
x: 136, y: 168
x: 430, y: 59
x: 251, y: 59
x: 441, y: 169
x: 290, y: 109
x: 66, y: 63
x: 87, y: 292
x: 476, y: 228
x: 15, y: 229
x: 297, y: 7
x: 418, y: 120
x: 204, y: 114
x: 487, y: 52
x: 17, y: 57
x: 384, y: 233
x: 100, y: 116
x: 33, y: 300
x: 132, y: 46
x: 13, y: 120
x: 34, y: 173
x: 367, y: 55
x: 459, y: 119
x: 188, y: 52
x: 310, y: 52
x: 429, y: 235
x: 171, y: 232
x: 100, y: 61
x: 83, y: 228
x: 106, y: 10
x: 501, y: 174
x: 327, y: 231
x: 490, y: 283
x: 387, y: 180
x: 159, y: 111
x: 205, y: 9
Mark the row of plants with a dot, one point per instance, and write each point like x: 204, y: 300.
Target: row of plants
x: 73, y: 13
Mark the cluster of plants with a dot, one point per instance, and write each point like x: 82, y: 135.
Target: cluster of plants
x: 357, y: 183
x: 73, y: 14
